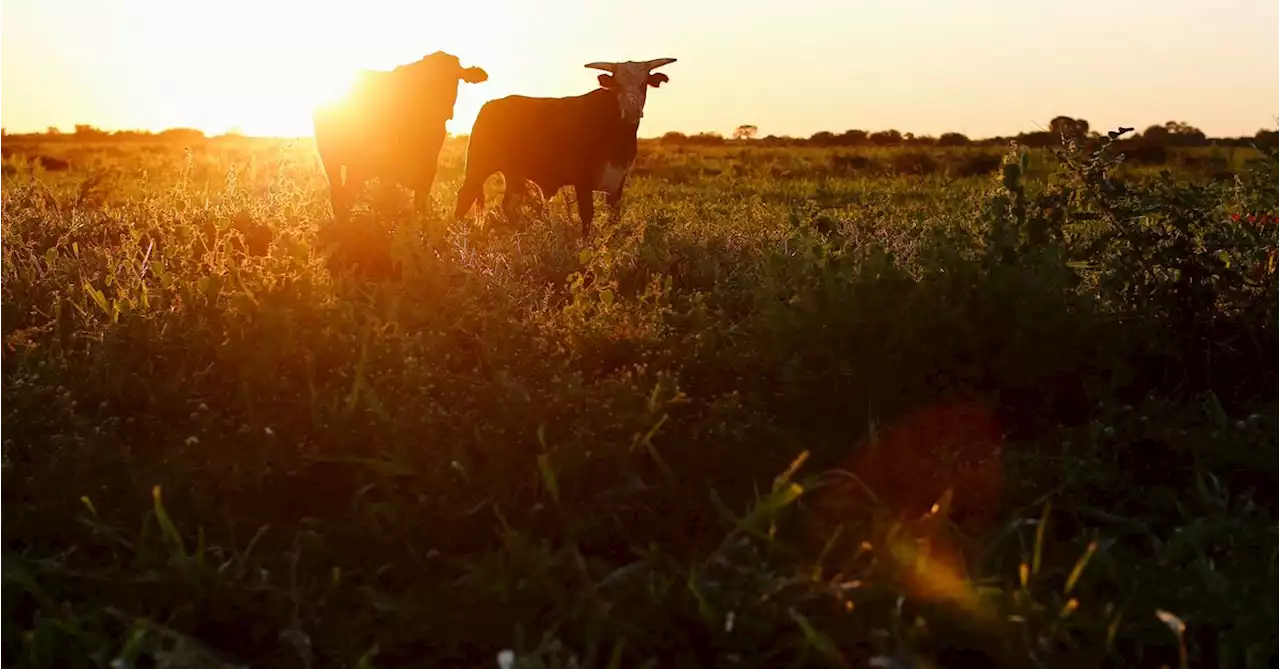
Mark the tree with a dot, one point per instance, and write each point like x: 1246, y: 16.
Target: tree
x: 1038, y: 139
x: 1183, y: 134
x: 745, y: 132
x: 822, y: 138
x: 707, y: 139
x: 1174, y: 133
x: 1068, y: 128
x: 953, y: 139
x: 853, y: 137
x: 87, y: 131
x: 1267, y: 138
x: 184, y: 134
x: 885, y: 138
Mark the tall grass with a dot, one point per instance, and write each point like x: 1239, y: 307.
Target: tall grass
x: 789, y: 410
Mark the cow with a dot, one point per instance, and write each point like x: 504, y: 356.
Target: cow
x: 391, y: 126
x: 587, y: 141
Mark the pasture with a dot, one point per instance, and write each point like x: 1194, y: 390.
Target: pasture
x: 798, y: 407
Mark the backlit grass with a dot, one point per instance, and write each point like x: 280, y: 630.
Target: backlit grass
x: 798, y: 407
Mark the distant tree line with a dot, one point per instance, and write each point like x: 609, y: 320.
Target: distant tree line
x: 1150, y: 144
x: 1169, y: 135
x: 88, y: 132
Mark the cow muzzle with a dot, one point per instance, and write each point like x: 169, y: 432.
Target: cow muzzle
x: 631, y: 105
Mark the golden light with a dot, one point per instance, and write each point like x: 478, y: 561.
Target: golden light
x: 938, y: 466
x: 263, y: 65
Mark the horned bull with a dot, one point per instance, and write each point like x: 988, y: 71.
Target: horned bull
x: 586, y: 141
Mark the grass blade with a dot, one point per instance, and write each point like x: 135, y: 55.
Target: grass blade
x: 167, y: 528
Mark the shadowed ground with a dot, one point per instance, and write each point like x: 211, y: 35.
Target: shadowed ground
x: 800, y: 406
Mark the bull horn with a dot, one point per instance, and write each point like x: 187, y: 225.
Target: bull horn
x: 607, y: 67
x: 659, y: 62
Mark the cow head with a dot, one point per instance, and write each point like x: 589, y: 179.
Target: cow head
x: 433, y: 81
x: 630, y: 81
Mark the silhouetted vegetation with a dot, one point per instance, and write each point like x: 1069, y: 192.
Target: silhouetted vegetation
x: 86, y: 132
x: 1148, y: 147
x: 1170, y: 135
x: 831, y: 401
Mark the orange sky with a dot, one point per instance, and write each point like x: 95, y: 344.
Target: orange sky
x: 984, y: 68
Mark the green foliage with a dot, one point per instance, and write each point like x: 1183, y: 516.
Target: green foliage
x: 798, y: 406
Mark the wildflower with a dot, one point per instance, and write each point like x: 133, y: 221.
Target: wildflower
x: 1174, y: 622
x: 268, y: 431
x: 193, y: 440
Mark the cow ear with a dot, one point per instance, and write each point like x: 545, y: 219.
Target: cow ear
x: 657, y: 79
x: 474, y: 75
x: 607, y: 81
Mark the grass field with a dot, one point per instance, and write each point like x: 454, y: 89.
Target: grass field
x: 798, y: 407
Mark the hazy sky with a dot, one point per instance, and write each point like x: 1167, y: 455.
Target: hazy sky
x: 983, y: 67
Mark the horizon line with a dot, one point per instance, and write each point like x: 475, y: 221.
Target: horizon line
x: 234, y: 134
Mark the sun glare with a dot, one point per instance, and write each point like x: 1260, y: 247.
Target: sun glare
x: 328, y: 87
x: 262, y: 67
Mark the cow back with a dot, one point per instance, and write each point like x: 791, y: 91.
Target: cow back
x: 552, y: 141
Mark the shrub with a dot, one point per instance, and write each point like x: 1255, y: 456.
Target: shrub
x: 974, y: 163
x: 913, y: 161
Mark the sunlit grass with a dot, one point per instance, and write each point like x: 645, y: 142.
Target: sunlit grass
x: 794, y: 408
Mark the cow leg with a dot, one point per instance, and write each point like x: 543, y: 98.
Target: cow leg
x: 338, y: 201
x: 613, y: 200
x: 421, y: 200
x: 469, y: 195
x: 586, y: 207
x: 355, y: 183
x: 512, y: 193
x: 337, y: 188
x: 422, y: 189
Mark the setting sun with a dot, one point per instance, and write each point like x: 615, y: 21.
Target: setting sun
x: 270, y: 64
x: 259, y: 67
